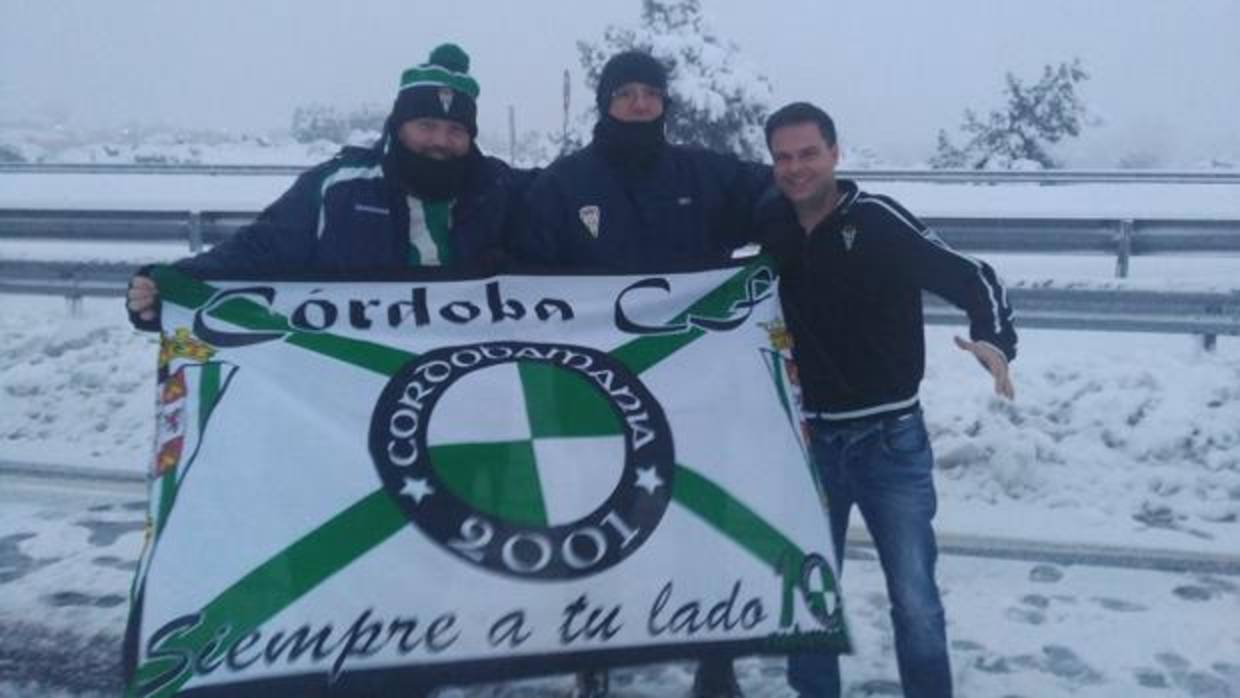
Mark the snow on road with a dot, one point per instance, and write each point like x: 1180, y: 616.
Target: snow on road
x: 1112, y: 436
x: 1016, y: 628
x: 1121, y: 439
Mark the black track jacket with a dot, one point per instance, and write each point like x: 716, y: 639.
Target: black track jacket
x: 851, y: 294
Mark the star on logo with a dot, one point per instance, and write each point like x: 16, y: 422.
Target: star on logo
x: 417, y: 488
x: 648, y: 479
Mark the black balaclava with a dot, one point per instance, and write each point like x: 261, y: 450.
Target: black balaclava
x: 633, y: 146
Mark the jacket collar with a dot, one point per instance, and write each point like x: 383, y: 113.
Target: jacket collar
x: 848, y: 196
x: 849, y: 191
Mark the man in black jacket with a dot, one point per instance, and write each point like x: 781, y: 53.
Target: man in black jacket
x: 631, y: 202
x: 423, y: 196
x: 853, y: 267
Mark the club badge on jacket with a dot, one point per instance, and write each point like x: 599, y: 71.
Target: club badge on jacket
x: 591, y: 216
x: 849, y: 234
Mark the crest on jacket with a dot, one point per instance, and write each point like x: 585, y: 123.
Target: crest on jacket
x: 445, y: 99
x: 849, y: 233
x: 591, y: 216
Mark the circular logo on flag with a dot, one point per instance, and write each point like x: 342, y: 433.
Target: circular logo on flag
x: 544, y: 461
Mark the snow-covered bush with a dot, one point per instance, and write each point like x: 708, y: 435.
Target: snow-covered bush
x: 321, y: 122
x: 10, y: 153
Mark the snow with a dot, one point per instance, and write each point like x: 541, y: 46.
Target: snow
x: 141, y: 192
x: 1114, y: 439
x: 76, y: 389
x: 1129, y: 440
x: 1125, y: 437
x: 155, y: 145
x: 1106, y: 201
x: 255, y: 192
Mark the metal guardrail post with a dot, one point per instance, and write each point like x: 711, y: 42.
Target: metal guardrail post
x: 195, y: 232
x: 74, y: 296
x: 1123, y: 248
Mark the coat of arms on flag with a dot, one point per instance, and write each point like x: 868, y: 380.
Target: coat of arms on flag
x: 372, y: 484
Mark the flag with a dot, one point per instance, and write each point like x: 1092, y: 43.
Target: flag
x: 375, y: 485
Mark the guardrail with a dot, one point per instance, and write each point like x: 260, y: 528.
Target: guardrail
x: 1122, y: 238
x: 193, y: 228
x: 1218, y: 176
x: 1122, y: 310
x: 1113, y: 310
x: 1208, y: 314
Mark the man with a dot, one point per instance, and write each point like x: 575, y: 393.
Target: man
x: 423, y: 196
x: 630, y: 202
x: 853, y: 266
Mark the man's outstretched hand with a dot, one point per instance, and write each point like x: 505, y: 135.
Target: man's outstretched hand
x: 142, y: 297
x: 995, y: 362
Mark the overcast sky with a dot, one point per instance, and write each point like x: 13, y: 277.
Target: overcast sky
x: 1165, y: 73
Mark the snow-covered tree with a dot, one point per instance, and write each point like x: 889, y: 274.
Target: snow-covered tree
x: 719, y: 101
x: 318, y: 122
x: 534, y: 149
x: 1021, y: 135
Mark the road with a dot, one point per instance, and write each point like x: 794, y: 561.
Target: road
x: 1025, y: 618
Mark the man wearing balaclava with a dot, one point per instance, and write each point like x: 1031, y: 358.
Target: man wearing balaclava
x: 630, y: 202
x: 424, y: 195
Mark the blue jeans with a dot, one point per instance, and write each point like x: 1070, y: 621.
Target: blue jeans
x: 883, y: 466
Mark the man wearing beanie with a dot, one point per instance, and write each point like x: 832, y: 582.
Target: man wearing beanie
x: 630, y: 202
x: 424, y: 195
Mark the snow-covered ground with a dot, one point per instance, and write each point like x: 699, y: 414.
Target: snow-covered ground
x: 1016, y: 628
x: 253, y: 192
x: 1113, y: 438
x: 145, y: 145
x: 1121, y: 439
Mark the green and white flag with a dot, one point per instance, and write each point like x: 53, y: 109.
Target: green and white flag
x: 367, y: 486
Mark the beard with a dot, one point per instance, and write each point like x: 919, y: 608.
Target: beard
x: 631, y: 145
x: 426, y: 177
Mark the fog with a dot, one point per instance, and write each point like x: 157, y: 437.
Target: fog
x: 1164, y: 87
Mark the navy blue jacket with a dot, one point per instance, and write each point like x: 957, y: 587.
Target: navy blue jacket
x: 693, y: 208
x: 851, y: 293
x: 351, y: 215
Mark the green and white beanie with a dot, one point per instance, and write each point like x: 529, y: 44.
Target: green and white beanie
x: 441, y: 88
